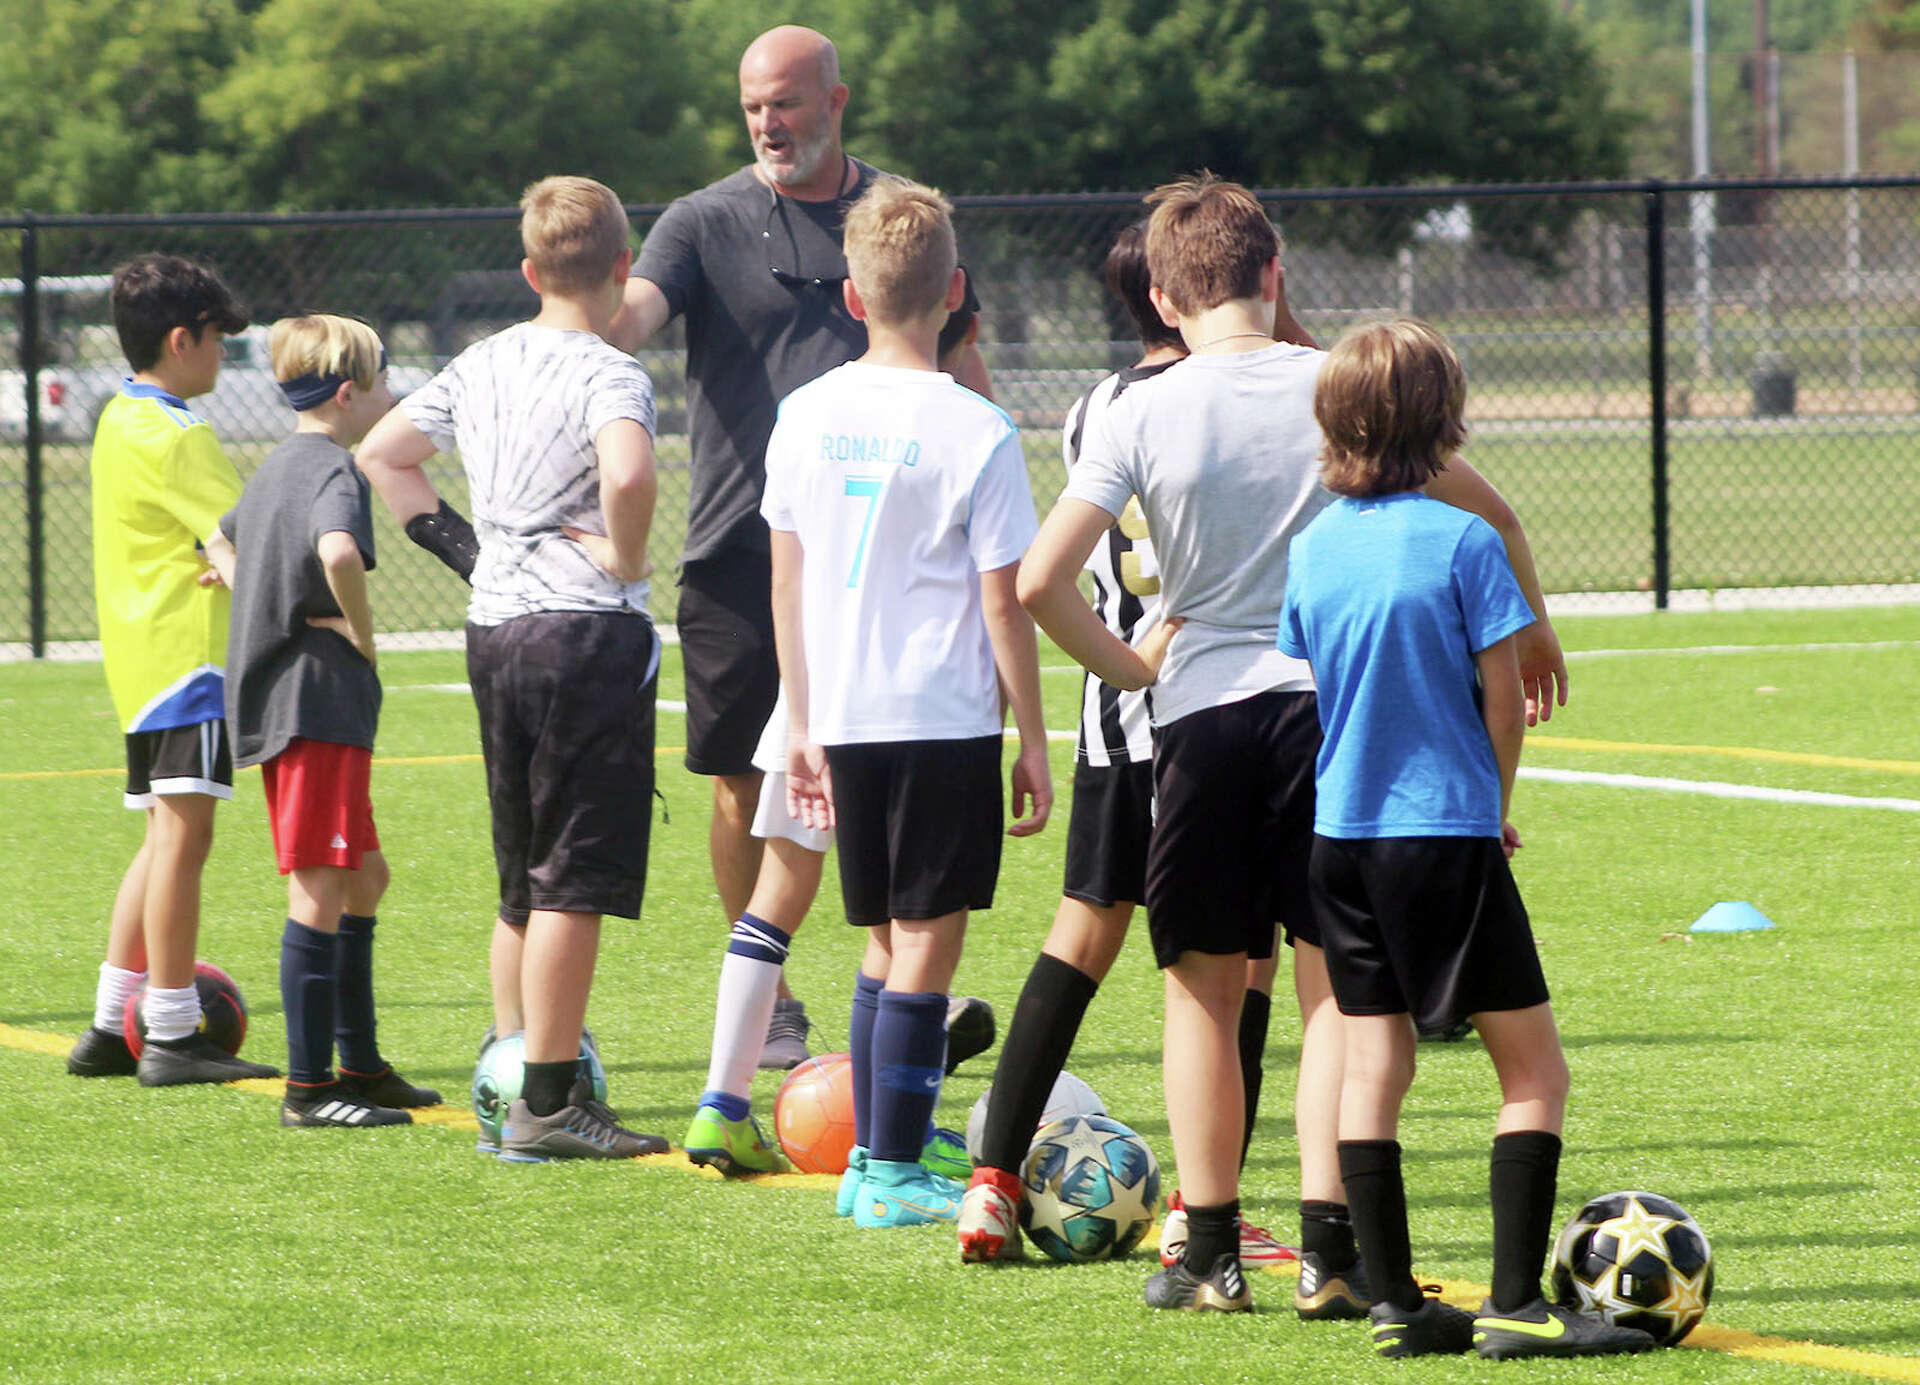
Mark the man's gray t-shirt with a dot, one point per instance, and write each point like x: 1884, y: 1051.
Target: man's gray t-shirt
x: 286, y: 678
x: 753, y: 336
x: 1223, y: 452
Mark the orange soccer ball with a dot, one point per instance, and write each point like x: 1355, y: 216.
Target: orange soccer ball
x: 813, y: 1114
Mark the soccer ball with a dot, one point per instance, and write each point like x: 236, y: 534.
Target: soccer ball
x: 501, y: 1071
x: 1092, y: 1187
x: 813, y: 1114
x: 1635, y: 1260
x: 1069, y: 1097
x: 223, y: 1011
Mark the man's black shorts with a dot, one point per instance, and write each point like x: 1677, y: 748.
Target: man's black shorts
x: 918, y: 824
x: 725, y: 623
x: 1108, y: 830
x: 1233, y: 826
x: 566, y: 702
x: 1427, y: 926
x: 179, y: 759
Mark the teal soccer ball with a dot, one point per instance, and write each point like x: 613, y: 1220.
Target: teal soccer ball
x: 498, y: 1076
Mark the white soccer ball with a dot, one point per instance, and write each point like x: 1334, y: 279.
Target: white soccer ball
x: 1069, y: 1097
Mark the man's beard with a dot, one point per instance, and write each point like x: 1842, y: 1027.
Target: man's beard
x: 806, y: 160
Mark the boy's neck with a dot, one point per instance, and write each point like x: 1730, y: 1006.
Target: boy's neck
x: 313, y: 421
x: 1230, y: 328
x: 586, y: 313
x: 903, y: 346
x: 161, y: 379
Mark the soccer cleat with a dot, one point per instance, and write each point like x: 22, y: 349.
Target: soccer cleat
x: 969, y: 1029
x: 990, y: 1218
x: 1222, y: 1290
x: 333, y: 1105
x: 196, y: 1058
x: 1259, y: 1247
x: 1547, y: 1329
x: 387, y: 1088
x: 733, y: 1147
x: 1432, y: 1329
x: 848, y: 1193
x: 1325, y: 1294
x: 101, y: 1053
x: 572, y: 1132
x: 894, y: 1193
x: 945, y: 1152
x: 786, y: 1045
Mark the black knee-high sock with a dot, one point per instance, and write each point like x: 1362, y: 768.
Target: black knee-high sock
x: 306, y: 995
x: 1524, y: 1176
x: 1255, y: 1013
x: 1378, y: 1196
x: 1052, y: 1004
x: 353, y: 1021
x: 1326, y: 1231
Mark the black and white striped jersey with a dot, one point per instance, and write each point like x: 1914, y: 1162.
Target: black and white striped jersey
x: 1115, y: 726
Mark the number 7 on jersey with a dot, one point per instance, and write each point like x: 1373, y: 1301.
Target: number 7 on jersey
x: 865, y: 488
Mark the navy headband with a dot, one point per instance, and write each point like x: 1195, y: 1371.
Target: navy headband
x: 310, y: 391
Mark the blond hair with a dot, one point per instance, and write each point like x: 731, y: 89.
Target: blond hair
x: 1391, y: 404
x: 900, y: 249
x: 1207, y: 241
x: 573, y: 229
x: 321, y: 345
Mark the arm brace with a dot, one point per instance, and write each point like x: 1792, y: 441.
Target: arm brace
x: 446, y: 534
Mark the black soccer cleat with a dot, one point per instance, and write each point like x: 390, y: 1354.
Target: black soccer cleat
x: 970, y: 1029
x: 1327, y: 1295
x: 1432, y: 1329
x: 386, y: 1088
x: 196, y: 1058
x: 330, y: 1106
x: 1223, y: 1290
x: 101, y: 1053
x: 1547, y: 1329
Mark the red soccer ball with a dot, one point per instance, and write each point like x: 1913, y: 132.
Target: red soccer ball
x: 813, y: 1114
x: 223, y: 1010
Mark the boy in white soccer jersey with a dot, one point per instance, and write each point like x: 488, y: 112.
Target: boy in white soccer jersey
x: 554, y: 428
x: 899, y: 506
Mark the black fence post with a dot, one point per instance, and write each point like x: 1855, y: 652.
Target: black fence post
x: 1657, y: 382
x: 30, y: 369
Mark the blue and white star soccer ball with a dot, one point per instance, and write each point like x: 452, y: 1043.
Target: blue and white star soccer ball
x: 1068, y: 1097
x: 1635, y: 1260
x: 1092, y: 1189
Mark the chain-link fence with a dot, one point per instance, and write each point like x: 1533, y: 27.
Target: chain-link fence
x: 1765, y: 438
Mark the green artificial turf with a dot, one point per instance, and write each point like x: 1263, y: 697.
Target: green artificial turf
x: 1763, y: 1080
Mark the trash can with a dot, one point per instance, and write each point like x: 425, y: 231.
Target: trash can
x: 1773, y: 382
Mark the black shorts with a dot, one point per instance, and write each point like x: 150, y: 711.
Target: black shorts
x: 566, y: 702
x: 1233, y: 826
x: 1108, y: 830
x: 726, y: 648
x: 1432, y: 927
x: 919, y: 824
x: 179, y: 759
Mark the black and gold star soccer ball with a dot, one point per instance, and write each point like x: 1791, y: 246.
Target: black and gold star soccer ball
x: 1635, y: 1260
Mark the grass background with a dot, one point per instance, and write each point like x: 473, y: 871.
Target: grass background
x: 1765, y: 1081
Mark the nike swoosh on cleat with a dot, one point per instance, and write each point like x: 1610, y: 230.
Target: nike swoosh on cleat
x: 1547, y: 1330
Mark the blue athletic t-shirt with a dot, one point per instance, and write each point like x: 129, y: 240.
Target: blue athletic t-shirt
x: 1389, y: 599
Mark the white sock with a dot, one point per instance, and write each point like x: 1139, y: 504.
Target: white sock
x: 110, y: 995
x: 748, y: 987
x: 171, y: 1014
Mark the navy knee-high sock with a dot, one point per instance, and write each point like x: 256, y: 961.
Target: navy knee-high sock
x: 866, y: 1007
x: 353, y: 1021
x: 909, y: 1063
x: 306, y: 994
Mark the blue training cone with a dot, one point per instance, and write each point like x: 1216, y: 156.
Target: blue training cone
x: 1729, y: 916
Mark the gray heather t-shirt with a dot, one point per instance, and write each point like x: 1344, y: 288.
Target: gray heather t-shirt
x: 286, y: 678
x: 753, y: 337
x: 1223, y: 452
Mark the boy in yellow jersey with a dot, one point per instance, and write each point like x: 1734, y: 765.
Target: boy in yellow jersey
x: 160, y: 485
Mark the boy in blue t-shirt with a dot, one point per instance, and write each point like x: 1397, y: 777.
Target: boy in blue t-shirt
x: 1408, y: 609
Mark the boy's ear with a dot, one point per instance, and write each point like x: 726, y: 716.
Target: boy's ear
x: 530, y: 274
x: 1164, y: 306
x: 956, y: 289
x: 179, y: 341
x: 344, y: 395
x: 855, y: 305
x: 1272, y: 277
x: 623, y: 267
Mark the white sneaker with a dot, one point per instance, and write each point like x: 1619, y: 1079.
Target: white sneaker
x: 989, y: 1223
x: 1259, y: 1248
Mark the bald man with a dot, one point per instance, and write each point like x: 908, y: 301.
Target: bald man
x: 753, y: 263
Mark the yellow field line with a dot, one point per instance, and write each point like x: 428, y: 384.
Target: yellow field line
x: 1462, y: 1293
x: 1732, y: 752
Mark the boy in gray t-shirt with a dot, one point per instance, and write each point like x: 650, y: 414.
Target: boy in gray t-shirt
x: 302, y: 703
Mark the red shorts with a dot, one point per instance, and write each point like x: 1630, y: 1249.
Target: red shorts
x: 319, y: 806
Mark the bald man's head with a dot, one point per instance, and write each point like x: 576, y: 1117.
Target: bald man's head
x: 792, y: 97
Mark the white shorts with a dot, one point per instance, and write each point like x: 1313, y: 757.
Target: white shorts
x: 770, y: 815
